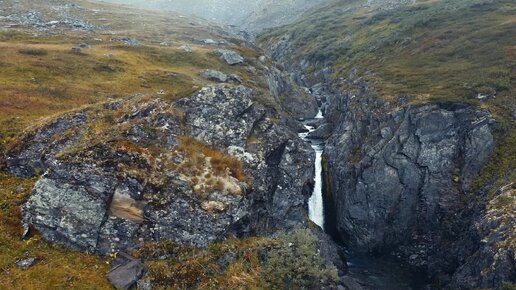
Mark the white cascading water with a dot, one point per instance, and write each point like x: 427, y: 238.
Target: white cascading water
x: 315, y: 203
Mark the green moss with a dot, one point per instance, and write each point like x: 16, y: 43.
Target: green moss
x: 293, y: 264
x: 501, y: 167
x: 508, y: 286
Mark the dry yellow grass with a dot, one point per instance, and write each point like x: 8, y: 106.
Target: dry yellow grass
x: 207, y: 168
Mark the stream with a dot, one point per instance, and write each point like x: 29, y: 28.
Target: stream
x: 372, y: 273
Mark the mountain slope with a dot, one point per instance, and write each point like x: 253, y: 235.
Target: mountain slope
x: 447, y: 50
x: 428, y: 51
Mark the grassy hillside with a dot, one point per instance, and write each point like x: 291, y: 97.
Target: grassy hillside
x: 40, y: 75
x: 432, y: 50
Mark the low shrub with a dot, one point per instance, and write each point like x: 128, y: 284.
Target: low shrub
x: 33, y: 51
x: 290, y: 261
x: 295, y: 264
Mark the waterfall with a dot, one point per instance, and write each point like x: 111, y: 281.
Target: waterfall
x: 315, y: 203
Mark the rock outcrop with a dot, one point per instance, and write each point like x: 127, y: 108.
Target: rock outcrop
x: 293, y: 99
x: 396, y: 173
x: 141, y: 169
x: 214, y: 75
x: 492, y: 262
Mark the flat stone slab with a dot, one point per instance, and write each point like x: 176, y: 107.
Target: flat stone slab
x: 128, y: 271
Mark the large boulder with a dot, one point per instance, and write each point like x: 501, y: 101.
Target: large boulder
x: 126, y: 172
x: 229, y: 56
x: 214, y: 75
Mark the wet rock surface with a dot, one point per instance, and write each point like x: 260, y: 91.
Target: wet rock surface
x: 115, y: 192
x: 300, y: 104
x: 408, y: 174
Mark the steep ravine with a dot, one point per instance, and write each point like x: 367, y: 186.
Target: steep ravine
x: 399, y: 175
x: 364, y: 270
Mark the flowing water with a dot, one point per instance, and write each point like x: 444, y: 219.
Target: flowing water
x: 315, y: 203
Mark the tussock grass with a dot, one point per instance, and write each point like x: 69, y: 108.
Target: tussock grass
x: 289, y: 260
x: 208, y: 169
x: 220, y: 161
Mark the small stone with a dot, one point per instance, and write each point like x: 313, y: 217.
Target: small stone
x: 126, y: 40
x: 210, y: 41
x: 76, y: 50
x: 186, y: 48
x: 24, y: 264
x: 124, y: 276
x: 235, y: 78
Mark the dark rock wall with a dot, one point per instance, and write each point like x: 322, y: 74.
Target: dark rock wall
x: 398, y: 171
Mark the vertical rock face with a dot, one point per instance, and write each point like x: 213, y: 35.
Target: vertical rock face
x: 130, y: 184
x: 397, y: 173
x: 292, y: 99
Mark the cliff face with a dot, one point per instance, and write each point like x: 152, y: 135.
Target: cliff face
x: 400, y: 176
x: 400, y: 170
